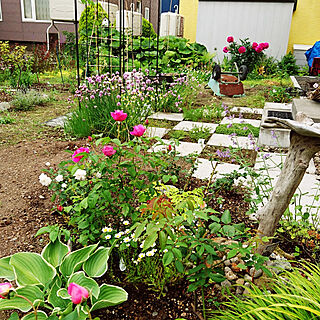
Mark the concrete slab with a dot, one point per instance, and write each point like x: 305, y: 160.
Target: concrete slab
x: 189, y: 125
x: 183, y: 149
x: 247, y: 110
x: 255, y: 123
x: 4, y: 106
x: 309, y: 107
x: 226, y: 141
x: 57, y: 122
x: 167, y: 116
x: 156, y: 132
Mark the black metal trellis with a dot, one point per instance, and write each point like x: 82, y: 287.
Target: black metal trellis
x: 109, y: 41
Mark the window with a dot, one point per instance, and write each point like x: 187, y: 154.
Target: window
x: 35, y: 10
x: 147, y: 13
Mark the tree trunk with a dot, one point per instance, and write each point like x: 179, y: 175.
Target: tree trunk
x: 302, y: 149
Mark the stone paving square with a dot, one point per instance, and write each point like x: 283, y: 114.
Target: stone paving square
x: 247, y: 110
x: 226, y: 141
x: 255, y: 123
x: 156, y: 132
x: 167, y: 116
x: 189, y: 125
x: 184, y: 148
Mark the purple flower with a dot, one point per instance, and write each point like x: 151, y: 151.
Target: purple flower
x: 229, y: 125
x: 266, y: 156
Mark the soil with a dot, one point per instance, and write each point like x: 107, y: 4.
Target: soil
x: 253, y: 116
x: 5, y: 96
x: 187, y: 138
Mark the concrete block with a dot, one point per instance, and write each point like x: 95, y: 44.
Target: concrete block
x: 310, y: 107
x: 255, y: 123
x: 167, y: 116
x: 189, y: 125
x: 226, y: 141
x: 156, y: 132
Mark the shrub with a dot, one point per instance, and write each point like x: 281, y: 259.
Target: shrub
x: 25, y: 101
x: 288, y: 65
x: 241, y: 129
x: 279, y: 94
x: 245, y: 52
x: 147, y: 29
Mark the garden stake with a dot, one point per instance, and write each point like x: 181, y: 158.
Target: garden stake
x: 304, y: 143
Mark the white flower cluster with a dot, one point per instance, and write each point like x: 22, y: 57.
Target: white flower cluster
x: 45, y: 180
x: 80, y: 175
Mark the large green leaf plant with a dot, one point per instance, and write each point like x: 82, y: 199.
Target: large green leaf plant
x: 42, y: 281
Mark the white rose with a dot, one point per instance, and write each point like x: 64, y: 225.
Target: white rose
x: 59, y: 178
x: 80, y: 174
x: 44, y: 179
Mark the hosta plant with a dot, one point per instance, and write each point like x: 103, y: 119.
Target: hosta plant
x: 58, y: 284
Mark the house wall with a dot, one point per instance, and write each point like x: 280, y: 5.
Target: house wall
x: 305, y: 27
x: 189, y: 10
x: 258, y: 21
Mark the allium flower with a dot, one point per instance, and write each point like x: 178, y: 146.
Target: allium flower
x: 4, y: 289
x: 80, y: 174
x: 254, y: 45
x: 78, y: 294
x: 76, y: 158
x: 230, y: 39
x: 242, y: 49
x: 44, y: 179
x: 119, y: 115
x: 225, y: 50
x: 59, y: 178
x: 108, y: 151
x: 138, y: 130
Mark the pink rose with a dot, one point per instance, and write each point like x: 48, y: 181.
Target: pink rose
x: 138, y: 130
x: 78, y: 294
x: 76, y: 158
x: 265, y: 45
x: 4, y: 289
x: 242, y: 49
x: 108, y: 151
x: 225, y: 50
x: 254, y: 45
x: 230, y: 39
x: 119, y: 115
x: 259, y: 48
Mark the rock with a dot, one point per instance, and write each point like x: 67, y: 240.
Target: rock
x: 239, y: 290
x: 229, y: 274
x: 154, y: 314
x: 4, y: 106
x: 226, y: 284
x: 279, y: 266
x: 234, y: 260
x: 247, y: 284
x: 247, y: 277
x: 227, y: 263
x: 255, y: 273
x: 240, y: 282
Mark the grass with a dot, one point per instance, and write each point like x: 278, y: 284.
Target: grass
x: 162, y: 123
x: 29, y: 125
x: 241, y: 129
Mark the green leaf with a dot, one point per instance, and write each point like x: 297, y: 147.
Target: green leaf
x: 73, y: 262
x: 84, y: 203
x: 41, y: 315
x: 31, y: 268
x: 86, y: 282
x: 232, y: 253
x: 109, y: 296
x: 166, y: 178
x: 179, y: 266
x: 97, y: 264
x: 163, y: 239
x: 167, y: 258
x: 150, y: 240
x: 63, y: 294
x: 30, y: 292
x: 226, y: 217
x: 177, y: 253
x: 6, y: 270
x: 229, y: 230
x: 217, y: 277
x: 53, y: 297
x: 242, y: 266
x: 92, y: 199
x: 214, y: 227
x: 14, y: 316
x: 54, y: 252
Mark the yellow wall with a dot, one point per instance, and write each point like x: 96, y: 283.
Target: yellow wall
x: 305, y: 26
x: 189, y: 9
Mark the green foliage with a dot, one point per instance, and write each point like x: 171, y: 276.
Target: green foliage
x: 241, y: 129
x: 213, y: 113
x: 279, y: 94
x: 12, y: 57
x: 200, y: 133
x: 227, y: 182
x: 25, y: 101
x: 178, y: 134
x: 294, y: 296
x: 6, y: 118
x: 288, y: 65
x: 147, y: 29
x: 43, y: 281
x: 23, y: 79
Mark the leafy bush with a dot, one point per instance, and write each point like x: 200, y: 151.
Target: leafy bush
x: 147, y: 29
x: 241, y: 129
x: 245, y: 52
x: 279, y: 94
x: 200, y: 133
x: 25, y: 101
x: 288, y: 65
x: 206, y: 113
x: 295, y: 296
x: 42, y: 282
x: 6, y: 119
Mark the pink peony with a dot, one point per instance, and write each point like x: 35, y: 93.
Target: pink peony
x: 259, y: 48
x: 108, y: 151
x: 4, y: 289
x: 225, y: 50
x: 254, y: 45
x: 242, y: 49
x: 76, y: 158
x: 265, y: 45
x: 230, y: 39
x: 78, y: 294
x: 138, y: 130
x: 119, y: 115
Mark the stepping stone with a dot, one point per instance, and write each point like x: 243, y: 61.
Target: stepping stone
x: 255, y: 123
x: 156, y: 132
x: 205, y: 168
x: 57, y: 122
x: 189, y: 125
x: 226, y: 141
x: 167, y: 116
x: 183, y: 149
x: 4, y: 106
x: 247, y: 110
